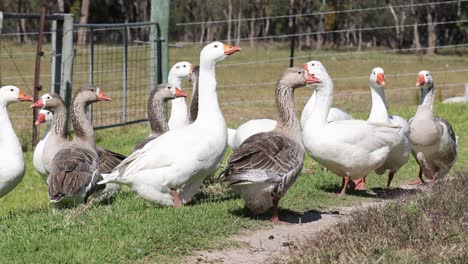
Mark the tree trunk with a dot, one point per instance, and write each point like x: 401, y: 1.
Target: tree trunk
x: 82, y: 34
x: 416, y: 42
x: 252, y: 26
x: 229, y: 18
x: 239, y: 24
x: 431, y: 32
x: 321, y: 28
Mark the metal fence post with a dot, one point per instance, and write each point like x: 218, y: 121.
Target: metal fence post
x: 91, y: 68
x: 125, y: 75
x: 160, y: 10
x: 67, y: 57
x: 293, y: 39
x: 37, y: 71
x: 56, y: 49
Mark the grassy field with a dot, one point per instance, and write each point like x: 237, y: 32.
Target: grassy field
x: 133, y: 230
x: 428, y: 228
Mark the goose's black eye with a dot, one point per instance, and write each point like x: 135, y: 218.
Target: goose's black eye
x: 299, y: 72
x: 11, y: 90
x: 427, y: 74
x: 185, y: 66
x: 168, y: 87
x: 48, y: 97
x: 92, y: 90
x: 373, y: 73
x: 215, y: 46
x: 313, y: 64
x: 177, y: 67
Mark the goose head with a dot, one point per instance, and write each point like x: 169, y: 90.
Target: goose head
x: 320, y: 73
x: 10, y: 94
x: 297, y: 77
x: 425, y: 80
x: 167, y: 91
x: 49, y: 101
x: 217, y: 51
x: 90, y: 94
x: 377, y: 78
x: 181, y: 70
x: 44, y: 116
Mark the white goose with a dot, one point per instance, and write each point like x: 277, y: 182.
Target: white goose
x: 400, y: 150
x: 255, y: 126
x: 44, y: 116
x: 349, y: 148
x: 12, y: 160
x: 170, y: 169
x: 334, y: 114
x: 179, y: 113
x: 433, y: 139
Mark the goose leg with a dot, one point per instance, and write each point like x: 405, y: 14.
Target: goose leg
x: 390, y: 178
x: 344, y: 185
x: 420, y: 178
x: 275, y: 217
x: 360, y: 184
x: 175, y: 198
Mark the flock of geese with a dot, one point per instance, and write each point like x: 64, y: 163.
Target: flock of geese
x: 169, y: 166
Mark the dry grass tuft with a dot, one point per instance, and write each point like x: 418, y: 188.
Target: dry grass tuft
x: 430, y: 227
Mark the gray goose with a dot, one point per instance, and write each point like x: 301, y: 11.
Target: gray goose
x: 434, y: 144
x: 157, y: 102
x: 57, y: 139
x: 75, y: 168
x: 266, y: 164
x: 193, y: 112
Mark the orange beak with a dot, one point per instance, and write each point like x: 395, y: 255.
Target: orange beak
x: 24, y: 97
x: 40, y: 119
x: 179, y: 93
x: 38, y: 104
x: 380, y: 79
x: 311, y: 79
x: 305, y: 67
x: 229, y: 50
x: 103, y: 97
x: 420, y: 80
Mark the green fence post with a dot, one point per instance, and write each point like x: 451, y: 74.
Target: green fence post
x: 160, y: 10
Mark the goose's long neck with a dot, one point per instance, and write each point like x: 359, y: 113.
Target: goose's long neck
x: 7, y: 134
x: 178, y: 105
x: 59, y: 123
x: 208, y: 98
x: 157, y: 115
x: 287, y: 120
x: 379, y: 111
x: 426, y: 104
x: 323, y: 102
x: 84, y: 132
x: 194, y: 101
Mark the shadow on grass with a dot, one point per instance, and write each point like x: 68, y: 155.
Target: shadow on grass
x: 285, y: 215
x: 378, y: 192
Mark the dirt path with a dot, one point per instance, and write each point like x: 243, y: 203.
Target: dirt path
x: 263, y: 244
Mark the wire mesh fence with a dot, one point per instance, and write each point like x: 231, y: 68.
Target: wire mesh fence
x: 117, y: 58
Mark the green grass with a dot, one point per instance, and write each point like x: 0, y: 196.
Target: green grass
x: 427, y: 228
x: 134, y: 230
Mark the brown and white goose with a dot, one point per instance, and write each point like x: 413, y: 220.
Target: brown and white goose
x: 57, y: 137
x: 157, y: 102
x: 433, y: 139
x: 266, y: 164
x: 75, y: 169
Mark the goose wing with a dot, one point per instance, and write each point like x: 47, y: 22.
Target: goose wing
x: 108, y: 160
x: 73, y: 169
x: 263, y: 157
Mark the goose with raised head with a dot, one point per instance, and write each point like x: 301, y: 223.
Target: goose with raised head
x: 401, y: 148
x: 179, y: 115
x: 170, y: 169
x: 349, y: 148
x: 44, y: 116
x: 57, y: 136
x: 157, y: 102
x: 75, y: 168
x: 333, y: 115
x: 194, y: 105
x: 266, y: 165
x: 12, y: 161
x: 433, y: 139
